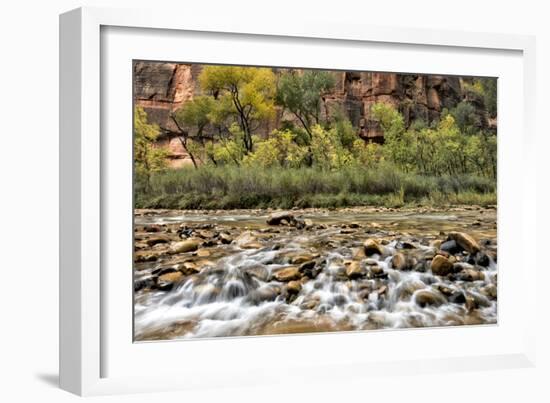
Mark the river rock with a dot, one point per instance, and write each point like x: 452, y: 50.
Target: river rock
x: 354, y: 270
x: 225, y: 238
x: 153, y: 228
x: 171, y: 277
x: 441, y: 266
x: 310, y: 269
x: 294, y: 287
x: 189, y: 268
x: 476, y: 301
x: 429, y: 298
x: 144, y: 256
x: 263, y: 294
x: 372, y: 247
x: 259, y: 272
x: 457, y: 297
x: 465, y: 241
x: 252, y: 245
x: 189, y: 245
x: 450, y: 247
x: 311, y: 303
x: 147, y: 282
x: 203, y: 253
x: 288, y: 274
x: 470, y: 275
x: 399, y: 261
x: 406, y: 290
x: 482, y: 259
x: 156, y: 240
x: 245, y: 237
x: 206, y: 234
x: 376, y: 272
x: 490, y: 291
x: 278, y: 217
x: 303, y: 258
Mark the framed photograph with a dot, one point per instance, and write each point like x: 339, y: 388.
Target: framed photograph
x: 236, y: 198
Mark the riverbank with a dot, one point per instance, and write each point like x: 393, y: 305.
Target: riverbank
x: 252, y: 272
x: 238, y: 187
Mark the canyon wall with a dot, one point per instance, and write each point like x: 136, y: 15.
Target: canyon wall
x: 161, y: 88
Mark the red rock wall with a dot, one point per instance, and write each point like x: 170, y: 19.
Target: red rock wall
x: 161, y: 88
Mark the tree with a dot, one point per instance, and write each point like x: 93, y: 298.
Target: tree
x: 195, y: 114
x: 327, y: 150
x: 489, y: 86
x: 279, y: 149
x: 245, y: 93
x: 148, y: 158
x: 466, y: 117
x: 301, y: 94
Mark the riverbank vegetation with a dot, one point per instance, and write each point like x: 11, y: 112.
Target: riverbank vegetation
x: 314, y: 158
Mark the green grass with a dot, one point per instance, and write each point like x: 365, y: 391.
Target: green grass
x: 231, y: 187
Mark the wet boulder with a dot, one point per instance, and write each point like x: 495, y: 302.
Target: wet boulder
x: 377, y: 272
x: 354, y: 270
x: 259, y: 272
x: 425, y: 298
x: 310, y: 268
x: 143, y: 283
x: 263, y: 294
x: 482, y: 259
x: 465, y: 241
x: 490, y: 291
x: 457, y: 297
x: 156, y: 240
x: 287, y: 274
x: 281, y: 218
x: 451, y: 247
x: 372, y: 247
x: 166, y: 281
x: 145, y: 256
x: 293, y: 287
x: 401, y: 262
x: 225, y: 238
x: 470, y: 275
x: 189, y: 245
x: 441, y: 266
x: 303, y: 258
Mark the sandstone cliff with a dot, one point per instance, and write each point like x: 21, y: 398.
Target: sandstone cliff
x: 161, y: 88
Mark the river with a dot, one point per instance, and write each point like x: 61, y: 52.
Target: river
x: 204, y: 274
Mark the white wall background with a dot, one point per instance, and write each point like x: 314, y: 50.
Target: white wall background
x: 29, y: 201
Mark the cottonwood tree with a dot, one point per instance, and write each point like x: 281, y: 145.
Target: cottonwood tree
x: 245, y: 94
x: 195, y: 114
x: 301, y: 94
x: 148, y: 158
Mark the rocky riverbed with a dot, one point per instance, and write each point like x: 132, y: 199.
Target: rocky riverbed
x: 256, y: 272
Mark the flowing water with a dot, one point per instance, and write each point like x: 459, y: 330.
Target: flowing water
x: 234, y: 288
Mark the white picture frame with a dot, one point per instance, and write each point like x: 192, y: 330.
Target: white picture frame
x: 87, y: 344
